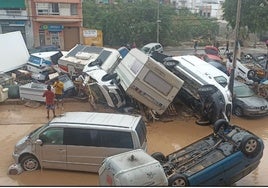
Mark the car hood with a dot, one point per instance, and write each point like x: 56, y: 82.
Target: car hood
x: 254, y: 101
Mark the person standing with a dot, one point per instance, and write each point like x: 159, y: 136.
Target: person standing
x: 50, y: 104
x: 195, y: 46
x: 227, y: 48
x: 58, y: 86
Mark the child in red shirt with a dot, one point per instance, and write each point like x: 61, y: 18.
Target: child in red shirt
x: 50, y: 96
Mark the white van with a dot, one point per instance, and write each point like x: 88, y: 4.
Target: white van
x: 198, y: 74
x: 80, y: 141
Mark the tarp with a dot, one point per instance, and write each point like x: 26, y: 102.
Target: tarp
x: 13, y: 51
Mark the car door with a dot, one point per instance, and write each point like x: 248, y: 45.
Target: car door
x: 52, y: 152
x: 87, y: 148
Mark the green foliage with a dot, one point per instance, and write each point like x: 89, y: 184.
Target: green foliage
x: 124, y: 23
x: 253, y: 15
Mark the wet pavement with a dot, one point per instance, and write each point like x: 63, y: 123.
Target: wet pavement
x: 18, y: 120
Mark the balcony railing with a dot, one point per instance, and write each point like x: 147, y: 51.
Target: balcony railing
x: 47, y: 12
x: 13, y: 12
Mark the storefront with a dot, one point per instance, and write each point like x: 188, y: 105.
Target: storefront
x: 65, y: 37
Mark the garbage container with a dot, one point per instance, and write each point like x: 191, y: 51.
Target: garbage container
x: 134, y: 168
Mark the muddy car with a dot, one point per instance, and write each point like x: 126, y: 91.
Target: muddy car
x: 205, y: 87
x: 256, y: 63
x: 247, y: 103
x: 221, y: 158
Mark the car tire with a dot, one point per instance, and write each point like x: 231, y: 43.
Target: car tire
x: 238, y: 111
x: 108, y: 77
x: 250, y: 146
x: 178, y: 180
x: 220, y: 124
x: 30, y: 163
x: 170, y: 64
x: 251, y: 74
x: 159, y: 157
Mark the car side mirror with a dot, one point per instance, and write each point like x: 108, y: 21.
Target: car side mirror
x: 39, y: 142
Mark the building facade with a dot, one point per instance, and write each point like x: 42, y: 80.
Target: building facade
x: 56, y: 22
x: 14, y: 16
x: 44, y: 22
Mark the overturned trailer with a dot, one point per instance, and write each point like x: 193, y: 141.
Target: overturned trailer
x: 148, y: 81
x: 86, y: 58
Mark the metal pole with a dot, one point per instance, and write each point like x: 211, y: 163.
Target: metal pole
x: 231, y: 83
x: 266, y: 65
x: 157, y: 22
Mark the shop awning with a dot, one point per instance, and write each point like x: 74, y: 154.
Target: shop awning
x: 10, y: 4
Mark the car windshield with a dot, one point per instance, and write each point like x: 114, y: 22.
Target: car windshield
x: 38, y: 130
x: 145, y: 49
x: 221, y: 80
x: 243, y: 91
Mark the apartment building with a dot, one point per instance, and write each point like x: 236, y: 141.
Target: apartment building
x: 206, y: 8
x: 43, y: 22
x: 14, y: 17
x: 56, y: 22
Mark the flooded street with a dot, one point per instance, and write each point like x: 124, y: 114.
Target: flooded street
x: 19, y: 120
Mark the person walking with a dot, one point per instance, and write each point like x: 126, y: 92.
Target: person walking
x: 58, y: 86
x: 50, y: 104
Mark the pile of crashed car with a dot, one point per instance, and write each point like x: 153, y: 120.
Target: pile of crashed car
x: 153, y: 83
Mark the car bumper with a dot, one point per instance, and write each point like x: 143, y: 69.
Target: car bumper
x: 15, y: 157
x: 253, y: 113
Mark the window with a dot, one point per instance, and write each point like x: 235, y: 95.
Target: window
x: 55, y: 39
x: 98, y: 138
x: 52, y: 136
x: 158, y: 83
x: 79, y: 137
x: 115, y: 139
x: 55, y: 8
x: 141, y: 131
x: 221, y: 80
x: 74, y: 9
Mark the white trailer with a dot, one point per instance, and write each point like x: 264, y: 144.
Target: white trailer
x: 148, y: 81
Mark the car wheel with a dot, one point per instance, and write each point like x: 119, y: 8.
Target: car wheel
x: 178, y: 180
x: 238, y: 111
x: 159, y: 157
x: 220, y: 125
x: 170, y: 64
x: 251, y: 74
x: 108, y: 77
x: 250, y: 146
x: 29, y: 163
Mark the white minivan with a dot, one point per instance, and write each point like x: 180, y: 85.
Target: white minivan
x: 202, y: 82
x: 80, y: 141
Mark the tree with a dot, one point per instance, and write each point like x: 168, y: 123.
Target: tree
x: 123, y: 22
x: 253, y: 17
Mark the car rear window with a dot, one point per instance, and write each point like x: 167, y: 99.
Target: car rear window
x: 141, y: 131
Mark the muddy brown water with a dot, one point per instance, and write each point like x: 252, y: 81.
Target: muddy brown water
x: 17, y: 120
